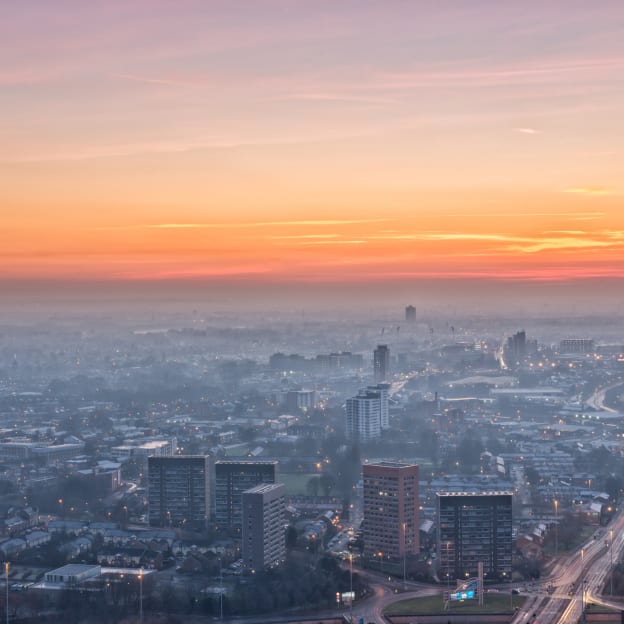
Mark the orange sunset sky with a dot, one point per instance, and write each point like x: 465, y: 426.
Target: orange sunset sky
x: 314, y: 141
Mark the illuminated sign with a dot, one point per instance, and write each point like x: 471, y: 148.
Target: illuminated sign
x: 464, y: 595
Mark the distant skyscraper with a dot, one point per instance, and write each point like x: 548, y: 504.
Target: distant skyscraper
x: 473, y: 528
x: 179, y: 491
x: 263, y: 530
x: 391, y: 510
x: 232, y: 478
x: 381, y: 363
x: 363, y: 415
x: 410, y: 314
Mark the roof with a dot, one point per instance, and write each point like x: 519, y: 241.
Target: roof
x: 72, y: 569
x: 490, y: 493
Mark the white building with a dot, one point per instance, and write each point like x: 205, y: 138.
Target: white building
x: 367, y: 413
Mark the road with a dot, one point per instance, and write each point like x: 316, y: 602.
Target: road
x: 576, y: 581
x: 371, y: 609
x: 596, y: 400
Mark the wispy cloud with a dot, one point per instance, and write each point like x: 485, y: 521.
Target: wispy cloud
x: 244, y: 224
x: 334, y: 97
x: 527, y: 131
x: 265, y: 223
x: 589, y: 190
x: 157, y: 81
x: 334, y: 242
x: 585, y: 216
x: 303, y: 236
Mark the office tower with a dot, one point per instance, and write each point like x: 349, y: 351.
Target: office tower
x: 381, y: 363
x: 232, y: 478
x: 363, y: 416
x: 410, y: 314
x: 263, y: 530
x: 473, y: 528
x: 179, y: 491
x: 391, y: 510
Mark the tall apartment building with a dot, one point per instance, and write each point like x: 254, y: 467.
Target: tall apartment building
x: 263, y: 530
x: 381, y: 363
x: 179, y: 491
x: 232, y: 478
x: 391, y: 510
x: 384, y: 411
x: 367, y: 413
x: 474, y: 527
x: 363, y: 416
x: 410, y: 314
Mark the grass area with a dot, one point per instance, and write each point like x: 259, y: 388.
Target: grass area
x: 602, y: 608
x: 492, y: 603
x: 296, y: 483
x: 238, y: 450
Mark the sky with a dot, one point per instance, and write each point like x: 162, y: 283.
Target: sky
x: 311, y: 142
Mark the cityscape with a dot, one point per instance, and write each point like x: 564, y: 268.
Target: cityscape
x: 205, y: 470
x: 311, y: 312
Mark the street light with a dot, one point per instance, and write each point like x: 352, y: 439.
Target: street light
x: 448, y: 573
x: 556, y: 527
x: 6, y: 574
x: 140, y: 594
x: 351, y: 584
x: 404, y: 553
x: 611, y: 557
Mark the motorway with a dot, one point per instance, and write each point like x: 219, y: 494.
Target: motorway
x: 597, y: 399
x: 577, y: 580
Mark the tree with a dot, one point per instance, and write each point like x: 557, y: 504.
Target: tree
x: 326, y: 483
x: 313, y: 486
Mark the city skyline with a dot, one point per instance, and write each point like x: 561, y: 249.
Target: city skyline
x: 283, y: 143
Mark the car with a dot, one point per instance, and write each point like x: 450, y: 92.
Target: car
x: 515, y: 592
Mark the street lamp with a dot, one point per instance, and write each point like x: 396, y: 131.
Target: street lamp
x: 220, y: 588
x: 351, y: 584
x: 140, y: 594
x: 6, y: 574
x: 404, y: 553
x: 448, y: 573
x: 556, y: 527
x: 611, y: 557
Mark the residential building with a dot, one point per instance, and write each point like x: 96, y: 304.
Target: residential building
x: 473, y: 528
x: 179, y: 491
x: 363, y: 416
x: 391, y: 510
x: 410, y: 314
x: 232, y: 478
x: 263, y: 526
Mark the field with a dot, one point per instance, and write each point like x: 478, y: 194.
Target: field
x: 493, y: 603
x: 296, y: 483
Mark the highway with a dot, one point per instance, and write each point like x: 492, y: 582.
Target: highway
x: 583, y: 574
x: 597, y: 399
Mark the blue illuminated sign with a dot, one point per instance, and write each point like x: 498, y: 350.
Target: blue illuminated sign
x: 464, y: 595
